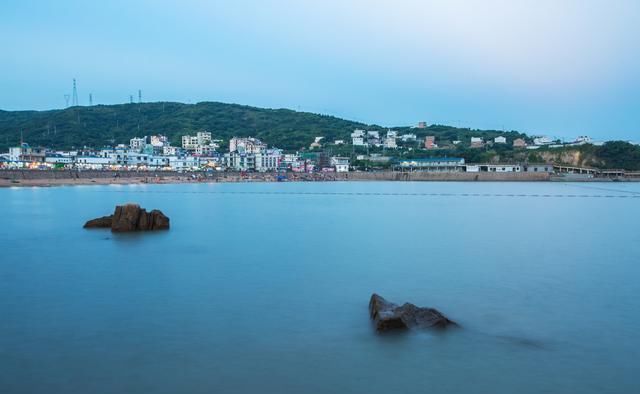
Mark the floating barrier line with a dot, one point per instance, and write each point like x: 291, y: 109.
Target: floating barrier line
x: 374, y: 194
x: 606, y: 189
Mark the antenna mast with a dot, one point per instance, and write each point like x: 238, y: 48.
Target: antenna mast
x: 75, y: 94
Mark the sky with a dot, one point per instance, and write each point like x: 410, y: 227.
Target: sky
x: 558, y: 68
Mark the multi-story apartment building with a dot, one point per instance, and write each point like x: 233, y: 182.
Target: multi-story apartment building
x: 246, y: 145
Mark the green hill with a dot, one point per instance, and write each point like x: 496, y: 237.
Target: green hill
x: 101, y: 125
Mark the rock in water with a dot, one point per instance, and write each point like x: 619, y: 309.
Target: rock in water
x: 389, y: 316
x: 131, y: 217
x: 103, y: 222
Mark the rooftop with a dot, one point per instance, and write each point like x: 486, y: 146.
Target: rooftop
x: 434, y: 159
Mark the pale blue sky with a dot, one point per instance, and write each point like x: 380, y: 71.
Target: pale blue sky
x: 562, y: 68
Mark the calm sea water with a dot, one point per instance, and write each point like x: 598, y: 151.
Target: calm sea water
x: 263, y: 288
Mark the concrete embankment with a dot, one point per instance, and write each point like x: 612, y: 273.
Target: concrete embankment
x: 74, y: 177
x: 84, y: 174
x: 443, y: 176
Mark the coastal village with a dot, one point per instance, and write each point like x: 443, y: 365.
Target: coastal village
x: 202, y: 152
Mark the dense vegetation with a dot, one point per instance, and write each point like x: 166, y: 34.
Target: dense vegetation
x: 613, y: 154
x: 102, y: 125
x: 105, y: 125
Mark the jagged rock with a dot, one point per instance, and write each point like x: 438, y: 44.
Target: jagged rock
x: 131, y: 217
x: 103, y: 222
x: 389, y: 316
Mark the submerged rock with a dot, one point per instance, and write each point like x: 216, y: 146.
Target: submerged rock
x: 131, y: 217
x: 389, y: 316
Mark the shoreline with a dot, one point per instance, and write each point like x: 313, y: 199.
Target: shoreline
x: 40, y: 178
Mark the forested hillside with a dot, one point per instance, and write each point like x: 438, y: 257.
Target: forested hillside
x: 101, y: 125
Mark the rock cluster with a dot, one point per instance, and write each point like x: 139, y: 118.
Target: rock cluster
x: 131, y: 217
x: 389, y: 316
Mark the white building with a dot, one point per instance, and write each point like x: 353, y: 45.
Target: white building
x: 581, y: 140
x: 476, y: 142
x: 240, y: 161
x: 246, y: 145
x: 500, y: 140
x: 93, y: 161
x: 357, y: 138
x: 159, y: 161
x: 204, y: 137
x: 58, y: 159
x: 268, y: 160
x: 263, y: 161
x: 432, y: 164
x: 358, y: 141
x: 169, y: 150
x: 341, y: 164
x: 184, y: 163
x: 189, y: 142
x: 358, y: 133
x: 500, y: 167
x: 390, y: 143
x: 408, y: 137
x: 338, y: 142
x: 137, y: 144
x: 159, y: 141
x: 192, y: 142
x: 472, y: 168
x: 26, y: 153
x: 14, y: 153
x: 542, y: 140
x: 205, y: 150
x: 130, y: 158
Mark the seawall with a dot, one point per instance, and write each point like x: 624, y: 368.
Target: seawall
x: 70, y: 177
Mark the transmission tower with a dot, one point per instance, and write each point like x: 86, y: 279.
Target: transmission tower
x: 66, y: 100
x: 90, y: 99
x: 130, y: 99
x: 74, y: 101
x: 139, y: 96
